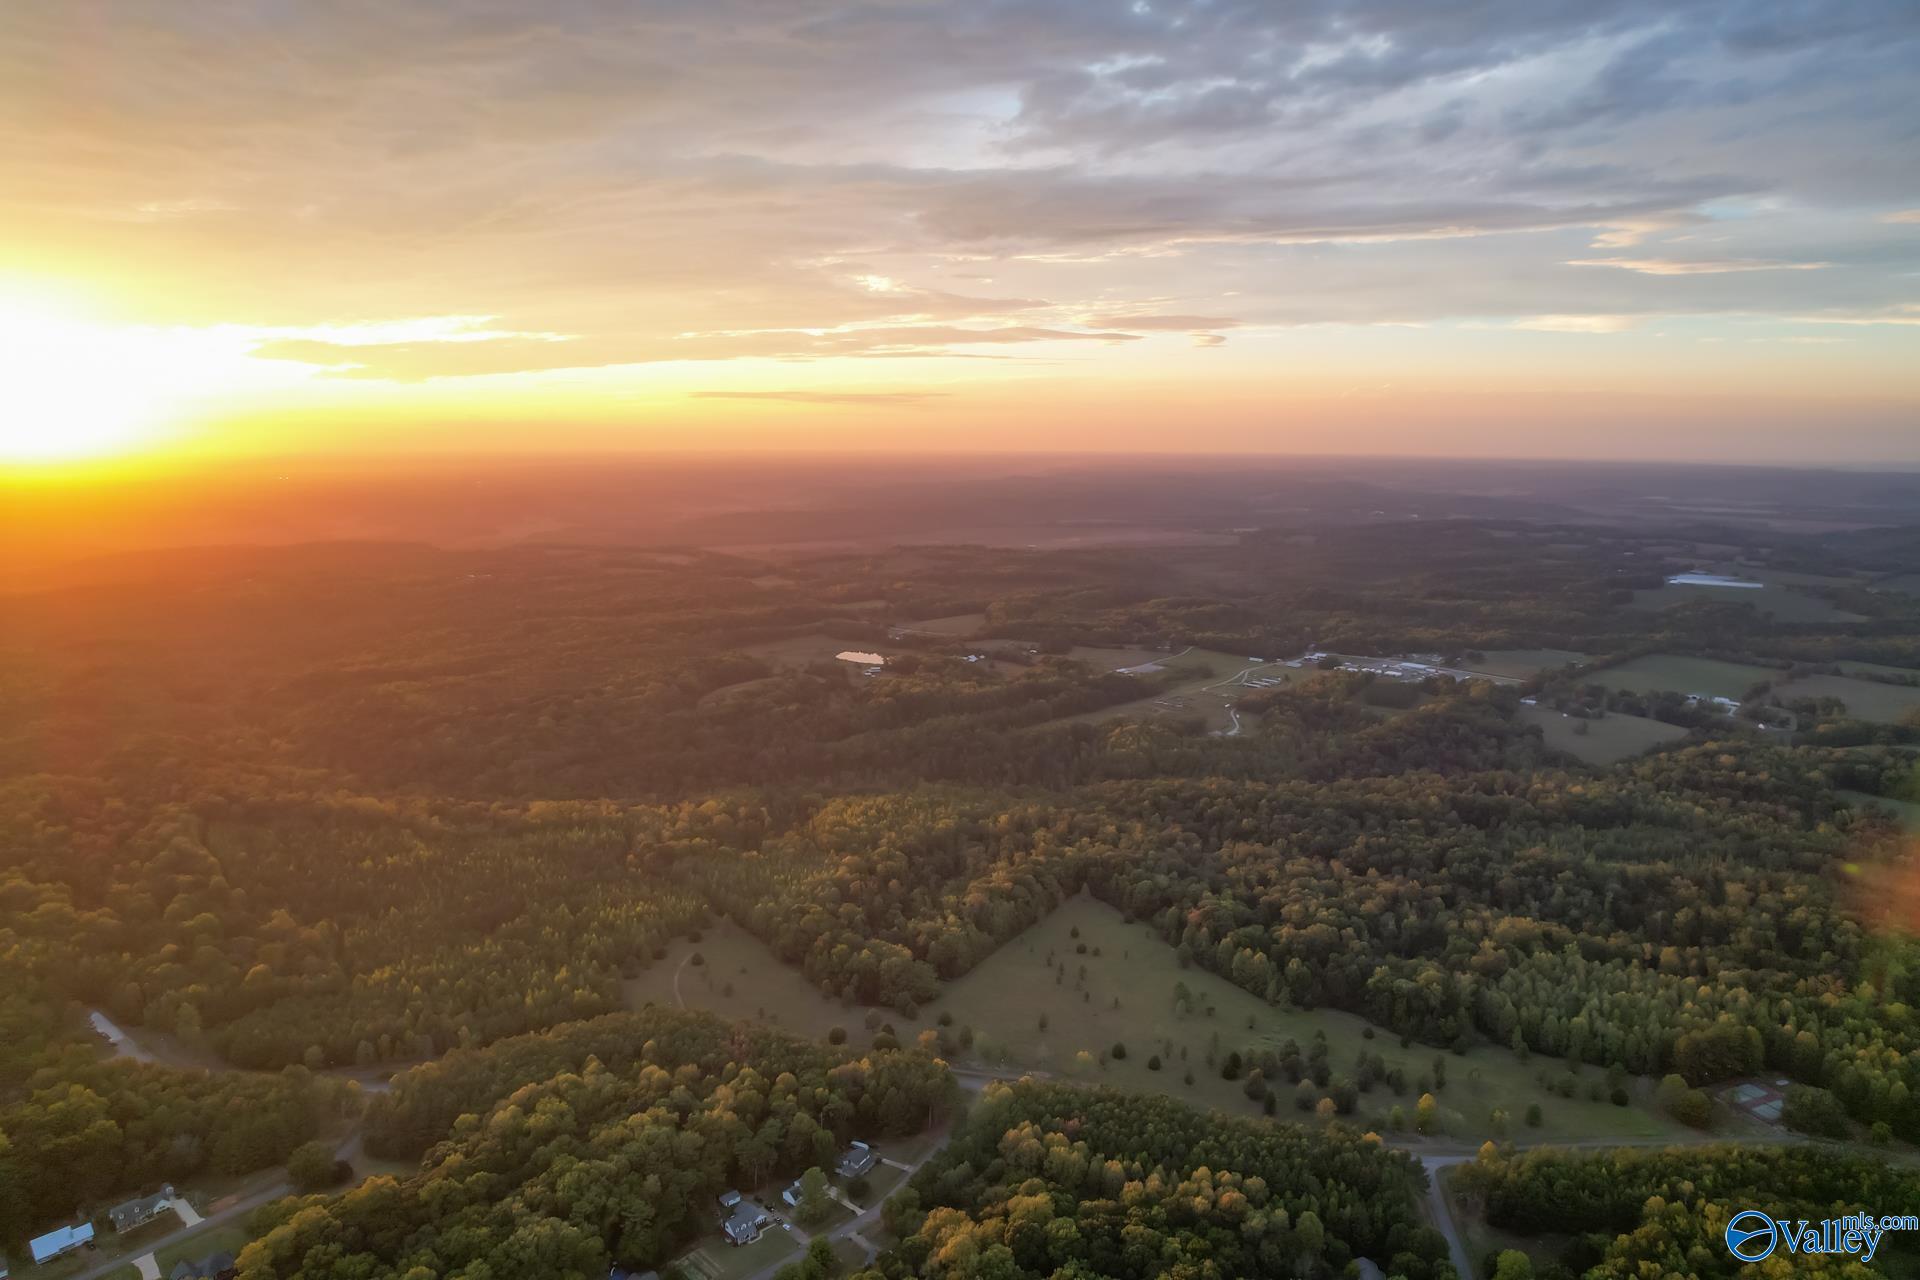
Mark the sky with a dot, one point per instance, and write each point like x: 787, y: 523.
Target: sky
x: 1552, y: 228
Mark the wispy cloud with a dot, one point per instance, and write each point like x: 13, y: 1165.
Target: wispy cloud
x: 1697, y: 266
x: 1577, y: 324
x: 852, y: 399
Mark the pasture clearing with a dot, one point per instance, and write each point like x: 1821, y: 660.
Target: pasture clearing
x: 1865, y: 699
x: 1218, y: 681
x: 808, y: 648
x: 1848, y: 667
x: 1521, y: 664
x: 1611, y: 738
x: 1116, y: 658
x: 739, y: 977
x: 1905, y: 811
x: 1781, y: 603
x: 1708, y: 677
x: 1904, y: 583
x: 1006, y: 999
x: 958, y: 625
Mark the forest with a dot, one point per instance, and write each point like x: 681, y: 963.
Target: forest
x: 1046, y: 1180
x: 1633, y: 1213
x: 375, y: 809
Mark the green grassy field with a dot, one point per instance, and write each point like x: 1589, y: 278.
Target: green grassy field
x: 1519, y: 664
x: 1849, y: 667
x: 1005, y: 998
x: 1905, y: 583
x: 1612, y: 737
x: 959, y: 624
x: 1865, y: 699
x: 1906, y: 811
x: 1706, y: 676
x: 741, y: 978
x: 1782, y: 603
x: 1207, y: 695
x: 811, y: 647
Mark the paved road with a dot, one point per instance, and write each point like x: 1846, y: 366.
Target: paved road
x: 348, y: 1150
x: 871, y: 1218
x: 1440, y: 1209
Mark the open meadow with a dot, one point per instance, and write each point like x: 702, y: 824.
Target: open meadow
x: 1906, y: 812
x: 1610, y: 738
x: 1707, y: 677
x: 732, y: 973
x: 955, y: 626
x: 1865, y: 699
x: 1521, y: 664
x: 810, y: 647
x: 1008, y: 998
x: 1218, y: 680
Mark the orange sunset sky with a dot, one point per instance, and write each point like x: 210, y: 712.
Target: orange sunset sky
x: 241, y: 227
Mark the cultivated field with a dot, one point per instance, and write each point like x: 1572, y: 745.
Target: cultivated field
x: 1865, y: 699
x: 1783, y: 603
x: 1005, y: 998
x: 1610, y: 738
x: 1706, y: 676
x: 1519, y: 664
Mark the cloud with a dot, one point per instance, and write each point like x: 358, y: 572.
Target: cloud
x: 857, y: 399
x: 1901, y: 216
x: 515, y: 353
x: 1696, y: 267
x: 1117, y: 321
x: 1577, y: 324
x: 620, y: 183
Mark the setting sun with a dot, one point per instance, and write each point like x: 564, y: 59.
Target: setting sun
x: 76, y: 388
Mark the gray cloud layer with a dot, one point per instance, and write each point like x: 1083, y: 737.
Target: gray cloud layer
x: 726, y: 178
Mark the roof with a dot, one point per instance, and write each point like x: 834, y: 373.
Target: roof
x: 746, y: 1222
x: 856, y: 1159
x: 213, y: 1264
x: 59, y: 1241
x: 133, y: 1212
x: 728, y: 1199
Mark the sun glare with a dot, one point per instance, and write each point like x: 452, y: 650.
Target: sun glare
x: 71, y: 388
